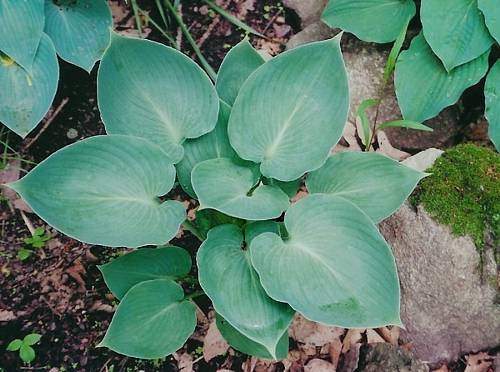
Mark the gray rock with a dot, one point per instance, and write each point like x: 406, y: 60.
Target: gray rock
x: 313, y: 32
x: 384, y: 357
x: 309, y: 11
x: 447, y: 305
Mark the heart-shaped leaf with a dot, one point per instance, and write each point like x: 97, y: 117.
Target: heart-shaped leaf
x: 228, y: 278
x: 209, y: 146
x: 455, y: 30
x: 135, y: 267
x: 152, y: 321
x: 246, y: 345
x: 291, y: 111
x: 80, y: 30
x: 424, y: 87
x: 492, y: 96
x: 375, y: 183
x: 379, y: 21
x: 21, y: 29
x: 334, y: 268
x: 491, y: 13
x: 26, y: 97
x: 148, y: 90
x: 236, y: 67
x: 104, y: 190
x: 230, y: 188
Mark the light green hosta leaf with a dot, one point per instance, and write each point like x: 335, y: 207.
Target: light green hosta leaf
x: 291, y: 111
x: 123, y: 273
x: 246, y: 345
x: 152, y: 321
x: 455, y: 30
x: 236, y: 67
x: 491, y: 13
x: 380, y: 21
x: 80, y: 30
x: 104, y: 190
x: 375, y: 183
x: 334, y: 268
x: 492, y: 95
x: 148, y: 90
x: 226, y: 186
x: 21, y: 28
x: 423, y: 86
x: 228, y: 278
x: 26, y: 97
x: 209, y: 146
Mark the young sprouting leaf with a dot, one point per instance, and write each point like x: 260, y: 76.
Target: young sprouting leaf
x: 292, y: 110
x: 80, y: 30
x: 31, y: 339
x: 149, y: 90
x: 14, y: 345
x: 104, y: 190
x: 394, y: 53
x: 491, y: 13
x: 492, y: 96
x: 26, y: 97
x: 209, y: 146
x: 245, y: 345
x: 27, y: 353
x: 39, y: 231
x: 152, y: 321
x: 21, y: 29
x: 424, y: 87
x: 135, y: 267
x: 380, y: 21
x: 375, y: 183
x: 235, y: 69
x: 455, y: 31
x: 229, y: 280
x: 23, y: 254
x: 405, y: 124
x: 325, y: 268
x: 233, y: 188
x: 363, y: 117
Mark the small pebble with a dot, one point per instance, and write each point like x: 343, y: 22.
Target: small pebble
x: 72, y: 133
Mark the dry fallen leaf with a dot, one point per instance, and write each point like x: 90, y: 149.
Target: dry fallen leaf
x: 6, y: 315
x: 352, y: 338
x: 319, y: 365
x: 311, y: 333
x: 385, y: 147
x: 443, y: 368
x: 480, y: 362
x: 373, y: 337
x: 335, y: 350
x: 214, y: 344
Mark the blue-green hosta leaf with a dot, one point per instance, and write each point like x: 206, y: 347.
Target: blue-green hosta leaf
x: 491, y: 13
x: 375, y: 183
x: 226, y: 186
x: 124, y: 272
x: 209, y: 146
x: 246, y: 345
x: 424, y: 87
x: 492, y: 96
x: 80, y: 30
x: 291, y: 111
x: 228, y: 278
x: 334, y: 268
x: 104, y: 190
x: 148, y: 90
x: 152, y: 321
x: 26, y: 97
x: 21, y: 28
x: 380, y: 21
x: 236, y: 67
x: 455, y: 30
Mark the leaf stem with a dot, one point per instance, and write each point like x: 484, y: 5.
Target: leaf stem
x: 191, y: 227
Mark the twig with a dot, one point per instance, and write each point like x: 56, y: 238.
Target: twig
x: 49, y: 120
x: 28, y: 223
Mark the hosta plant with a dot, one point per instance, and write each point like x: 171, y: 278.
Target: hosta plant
x: 448, y: 56
x: 32, y: 34
x: 242, y: 149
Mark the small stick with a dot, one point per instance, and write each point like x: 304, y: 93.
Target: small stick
x: 49, y: 120
x: 28, y: 223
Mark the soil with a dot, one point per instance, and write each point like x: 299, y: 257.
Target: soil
x: 58, y: 292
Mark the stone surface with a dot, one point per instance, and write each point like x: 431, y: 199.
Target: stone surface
x: 314, y: 32
x: 388, y: 358
x: 447, y: 304
x: 309, y: 11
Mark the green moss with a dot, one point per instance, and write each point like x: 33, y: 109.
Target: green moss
x: 463, y: 191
